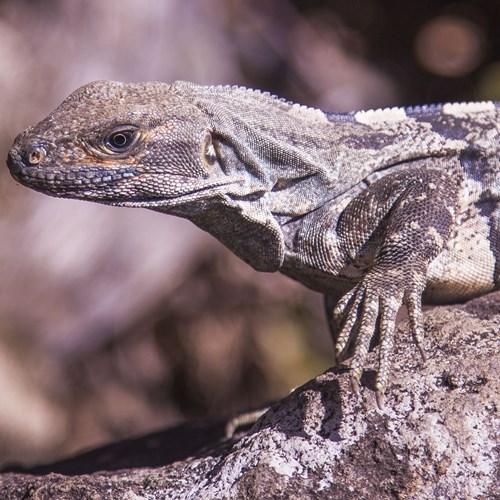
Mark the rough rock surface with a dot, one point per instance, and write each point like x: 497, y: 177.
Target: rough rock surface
x: 437, y: 437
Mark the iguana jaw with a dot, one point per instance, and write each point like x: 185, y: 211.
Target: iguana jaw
x: 124, y: 187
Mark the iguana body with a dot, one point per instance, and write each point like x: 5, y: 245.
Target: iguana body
x: 374, y: 209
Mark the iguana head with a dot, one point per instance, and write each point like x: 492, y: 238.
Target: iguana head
x: 120, y: 144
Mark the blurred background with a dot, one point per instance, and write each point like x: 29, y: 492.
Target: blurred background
x: 117, y: 322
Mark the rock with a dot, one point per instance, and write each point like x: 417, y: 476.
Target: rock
x: 436, y: 438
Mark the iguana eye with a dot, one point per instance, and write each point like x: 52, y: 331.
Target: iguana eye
x: 121, y: 139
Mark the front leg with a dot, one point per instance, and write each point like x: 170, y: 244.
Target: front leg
x: 393, y: 230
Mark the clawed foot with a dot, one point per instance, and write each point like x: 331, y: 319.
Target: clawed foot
x: 371, y: 307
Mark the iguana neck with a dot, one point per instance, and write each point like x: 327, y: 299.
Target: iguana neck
x: 276, y: 150
x: 293, y: 159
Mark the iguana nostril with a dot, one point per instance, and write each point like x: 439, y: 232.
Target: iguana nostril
x: 33, y: 155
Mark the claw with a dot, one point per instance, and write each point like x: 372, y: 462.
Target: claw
x: 415, y: 316
x: 338, y: 355
x: 354, y: 379
x: 365, y: 334
x: 422, y: 352
x: 379, y: 394
x: 388, y: 312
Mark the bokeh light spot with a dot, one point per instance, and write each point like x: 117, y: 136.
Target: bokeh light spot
x: 449, y: 46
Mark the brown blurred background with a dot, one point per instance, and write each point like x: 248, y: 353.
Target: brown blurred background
x: 117, y: 322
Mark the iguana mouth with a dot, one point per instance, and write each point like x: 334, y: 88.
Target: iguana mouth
x: 101, y: 185
x: 64, y: 181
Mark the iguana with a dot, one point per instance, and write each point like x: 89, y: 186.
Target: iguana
x: 374, y: 209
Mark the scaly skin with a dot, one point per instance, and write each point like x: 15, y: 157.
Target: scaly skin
x: 375, y: 209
